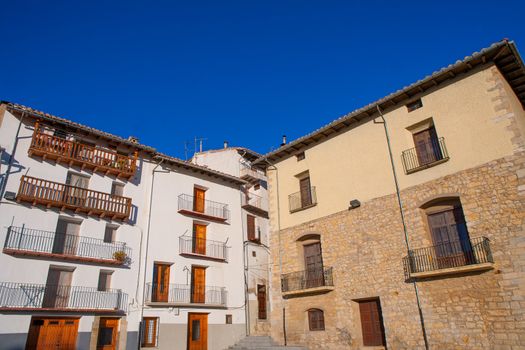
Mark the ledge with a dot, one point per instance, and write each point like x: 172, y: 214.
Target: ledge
x: 185, y: 305
x: 306, y: 292
x: 453, y: 270
x: 202, y: 215
x: 67, y: 257
x: 205, y: 257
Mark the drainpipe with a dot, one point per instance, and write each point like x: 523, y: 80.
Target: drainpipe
x: 244, y: 259
x: 11, y: 158
x: 402, y: 214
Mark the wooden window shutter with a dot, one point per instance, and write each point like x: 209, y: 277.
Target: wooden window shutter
x: 316, y: 320
x: 306, y: 192
x: 261, y: 301
x: 250, y: 221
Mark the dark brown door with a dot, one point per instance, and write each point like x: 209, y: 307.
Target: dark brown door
x: 450, y: 237
x: 198, y: 200
x: 427, y: 146
x: 107, y: 334
x: 161, y: 282
x: 261, y: 301
x: 250, y: 221
x: 306, y: 192
x: 57, y: 290
x: 198, y: 284
x: 313, y: 262
x: 372, y: 323
x: 197, y: 331
x: 52, y: 334
x: 199, y: 239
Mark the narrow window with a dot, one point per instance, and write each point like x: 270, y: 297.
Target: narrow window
x: 256, y: 187
x: 104, y: 280
x: 254, y: 254
x: 306, y: 192
x: 316, y: 320
x: 300, y: 156
x: 261, y: 301
x: 150, y: 331
x: 110, y: 234
x: 66, y: 237
x: 58, y: 287
x: 117, y: 189
x: 229, y: 319
x: 250, y: 222
x: 412, y: 106
x: 372, y: 323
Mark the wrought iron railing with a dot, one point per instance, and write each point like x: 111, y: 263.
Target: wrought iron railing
x: 302, y: 199
x: 307, y: 279
x: 253, y: 200
x: 210, y: 208
x: 71, y: 151
x: 21, y: 239
x: 60, y: 195
x: 62, y: 297
x: 205, y: 247
x: 186, y: 294
x: 425, y: 155
x: 448, y: 255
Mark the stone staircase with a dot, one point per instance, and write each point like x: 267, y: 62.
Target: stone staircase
x: 261, y: 343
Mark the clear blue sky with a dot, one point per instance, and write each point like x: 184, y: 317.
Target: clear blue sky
x: 243, y: 71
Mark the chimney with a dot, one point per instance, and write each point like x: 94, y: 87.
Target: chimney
x: 284, y: 141
x: 225, y: 144
x: 133, y: 139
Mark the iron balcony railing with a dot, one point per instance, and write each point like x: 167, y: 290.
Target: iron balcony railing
x: 60, y: 297
x: 45, y: 243
x: 302, y: 199
x: 54, y: 194
x: 186, y: 294
x: 99, y: 159
x: 448, y: 255
x: 425, y: 155
x: 255, y: 201
x: 205, y: 247
x: 211, y: 209
x: 307, y: 279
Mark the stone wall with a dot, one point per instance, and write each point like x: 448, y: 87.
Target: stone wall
x: 365, y: 247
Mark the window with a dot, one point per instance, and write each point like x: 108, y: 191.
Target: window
x: 150, y: 331
x: 104, y: 280
x: 250, y: 222
x: 60, y: 133
x: 254, y: 254
x: 412, y: 106
x: 256, y: 187
x: 110, y: 234
x: 300, y: 156
x: 117, y: 189
x: 316, y: 320
x: 372, y: 323
x: 261, y: 301
x: 229, y: 319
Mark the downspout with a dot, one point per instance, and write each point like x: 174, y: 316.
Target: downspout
x: 11, y: 158
x: 402, y: 214
x: 245, y: 264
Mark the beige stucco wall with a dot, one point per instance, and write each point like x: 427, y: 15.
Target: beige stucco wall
x: 472, y: 114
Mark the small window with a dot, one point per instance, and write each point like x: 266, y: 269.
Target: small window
x: 300, y: 156
x: 104, y: 280
x: 229, y: 319
x: 117, y: 189
x: 412, y: 106
x: 60, y: 133
x: 316, y: 319
x: 110, y: 234
x: 150, y: 332
x: 257, y: 187
x: 254, y: 254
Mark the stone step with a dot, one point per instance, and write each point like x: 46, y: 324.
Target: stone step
x: 261, y: 343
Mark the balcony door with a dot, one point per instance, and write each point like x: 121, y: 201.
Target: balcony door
x: 197, y: 331
x: 75, y: 191
x: 313, y: 262
x: 161, y: 282
x: 427, y: 146
x: 198, y: 284
x: 66, y: 237
x: 58, y: 287
x: 450, y: 236
x: 198, y: 199
x: 306, y: 192
x: 199, y: 239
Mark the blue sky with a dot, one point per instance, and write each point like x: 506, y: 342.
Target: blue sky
x: 242, y: 71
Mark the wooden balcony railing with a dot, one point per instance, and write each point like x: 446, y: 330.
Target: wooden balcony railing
x: 255, y: 203
x: 210, y: 210
x: 182, y: 294
x: 72, y: 152
x: 34, y: 297
x: 308, y: 279
x: 205, y: 248
x: 29, y: 242
x: 54, y: 194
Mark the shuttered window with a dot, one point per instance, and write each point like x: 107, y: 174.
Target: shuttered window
x: 261, y: 301
x: 306, y: 192
x: 149, y: 334
x: 316, y: 320
x: 250, y: 221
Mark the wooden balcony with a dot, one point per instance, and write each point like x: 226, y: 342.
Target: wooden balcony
x: 29, y: 297
x: 184, y: 295
x: 213, y: 211
x: 256, y: 204
x: 86, y: 156
x: 21, y: 241
x: 309, y: 282
x: 54, y: 194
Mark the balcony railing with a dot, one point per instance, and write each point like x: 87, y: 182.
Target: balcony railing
x: 302, y: 199
x: 24, y: 241
x: 307, y: 279
x: 427, y: 154
x: 183, y: 294
x: 98, y: 159
x: 203, y: 248
x: 211, y: 210
x: 254, y: 202
x: 28, y: 296
x: 252, y: 175
x: 450, y: 255
x: 54, y: 194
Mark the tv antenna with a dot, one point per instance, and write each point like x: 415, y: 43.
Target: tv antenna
x: 200, y: 140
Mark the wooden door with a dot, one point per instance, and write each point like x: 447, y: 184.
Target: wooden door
x: 313, y: 261
x: 161, y: 282
x: 427, y: 146
x: 58, y: 286
x: 198, y: 200
x: 199, y: 239
x: 107, y: 334
x: 52, y: 334
x: 149, y: 336
x: 198, y: 284
x: 66, y: 237
x: 250, y: 222
x: 306, y: 192
x: 197, y: 331
x: 261, y: 301
x: 372, y: 323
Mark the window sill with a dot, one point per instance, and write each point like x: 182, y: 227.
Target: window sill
x: 453, y: 270
x: 303, y: 208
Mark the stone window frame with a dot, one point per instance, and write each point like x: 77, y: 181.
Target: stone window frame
x: 308, y: 319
